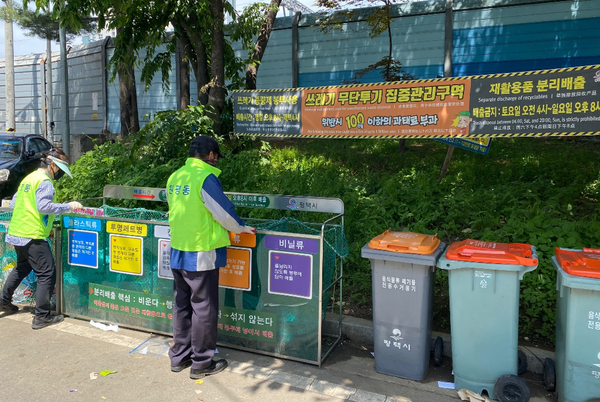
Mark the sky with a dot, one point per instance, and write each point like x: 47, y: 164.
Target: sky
x: 24, y: 45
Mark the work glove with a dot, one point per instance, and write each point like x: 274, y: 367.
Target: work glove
x: 249, y: 229
x: 74, y: 205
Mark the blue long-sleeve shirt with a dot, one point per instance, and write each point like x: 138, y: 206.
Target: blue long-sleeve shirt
x: 44, y: 197
x: 223, y: 211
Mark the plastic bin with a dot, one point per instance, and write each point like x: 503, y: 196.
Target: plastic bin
x: 577, y: 325
x: 403, y: 267
x: 484, y: 280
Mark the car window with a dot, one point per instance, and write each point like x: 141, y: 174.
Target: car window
x: 38, y: 145
x: 10, y: 149
x: 44, y: 145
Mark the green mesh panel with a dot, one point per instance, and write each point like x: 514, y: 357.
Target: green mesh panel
x: 80, y: 282
x: 5, y: 216
x: 25, y: 292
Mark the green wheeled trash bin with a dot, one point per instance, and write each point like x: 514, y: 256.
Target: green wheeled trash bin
x: 484, y: 280
x: 577, y: 326
x: 403, y: 272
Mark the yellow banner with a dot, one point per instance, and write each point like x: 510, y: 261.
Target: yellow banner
x: 559, y: 102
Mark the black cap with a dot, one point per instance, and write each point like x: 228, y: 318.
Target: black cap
x: 204, y: 145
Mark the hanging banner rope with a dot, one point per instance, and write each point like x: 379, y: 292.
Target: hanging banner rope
x: 559, y: 102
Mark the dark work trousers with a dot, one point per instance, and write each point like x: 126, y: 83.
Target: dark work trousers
x: 195, y: 314
x: 35, y: 255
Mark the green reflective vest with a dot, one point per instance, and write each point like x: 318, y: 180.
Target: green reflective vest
x: 26, y: 220
x: 192, y: 226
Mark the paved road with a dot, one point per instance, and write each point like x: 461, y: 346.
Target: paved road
x: 54, y: 364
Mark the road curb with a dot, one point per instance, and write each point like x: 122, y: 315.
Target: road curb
x: 361, y: 330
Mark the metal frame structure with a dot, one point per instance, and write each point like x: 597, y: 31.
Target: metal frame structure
x: 333, y: 206
x: 294, y: 6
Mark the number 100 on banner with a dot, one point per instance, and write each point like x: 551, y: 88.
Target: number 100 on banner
x: 560, y: 102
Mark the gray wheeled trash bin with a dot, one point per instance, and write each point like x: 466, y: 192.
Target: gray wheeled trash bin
x: 403, y: 272
x: 484, y: 279
x: 577, y: 326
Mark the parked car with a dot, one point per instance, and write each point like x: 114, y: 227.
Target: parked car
x: 19, y: 156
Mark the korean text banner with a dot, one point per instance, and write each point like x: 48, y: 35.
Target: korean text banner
x: 560, y: 102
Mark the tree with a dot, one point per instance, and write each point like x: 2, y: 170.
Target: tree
x: 115, y: 17
x: 43, y: 25
x: 336, y: 12
x: 198, y: 27
x: 379, y: 21
x: 261, y: 44
x: 74, y: 16
x: 130, y: 121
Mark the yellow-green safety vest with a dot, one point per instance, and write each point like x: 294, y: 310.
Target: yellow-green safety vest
x: 193, y: 227
x: 26, y: 220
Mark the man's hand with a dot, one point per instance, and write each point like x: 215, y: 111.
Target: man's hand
x: 249, y: 229
x: 75, y: 205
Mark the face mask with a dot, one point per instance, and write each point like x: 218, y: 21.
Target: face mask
x: 211, y: 162
x: 58, y: 174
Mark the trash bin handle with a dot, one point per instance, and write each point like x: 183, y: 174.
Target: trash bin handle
x: 529, y: 268
x: 399, y: 248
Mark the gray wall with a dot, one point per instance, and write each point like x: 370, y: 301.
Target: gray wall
x: 28, y: 103
x: 87, y: 100
x: 86, y: 94
x: 154, y: 100
x: 489, y: 36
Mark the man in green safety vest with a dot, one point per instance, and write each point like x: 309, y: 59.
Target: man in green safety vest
x: 200, y: 216
x: 34, y: 210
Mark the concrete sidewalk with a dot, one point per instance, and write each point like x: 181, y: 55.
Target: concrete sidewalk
x: 54, y: 364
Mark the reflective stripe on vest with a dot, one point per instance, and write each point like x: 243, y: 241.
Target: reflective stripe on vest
x: 193, y: 227
x: 26, y: 220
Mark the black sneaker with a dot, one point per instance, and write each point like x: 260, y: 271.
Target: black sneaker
x: 187, y: 362
x: 42, y: 322
x: 8, y: 308
x: 215, y: 367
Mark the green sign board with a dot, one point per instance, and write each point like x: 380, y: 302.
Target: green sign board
x: 247, y: 324
x: 277, y: 311
x: 127, y: 302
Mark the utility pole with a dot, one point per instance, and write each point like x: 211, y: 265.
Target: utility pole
x: 9, y: 70
x: 64, y: 93
x: 49, y: 103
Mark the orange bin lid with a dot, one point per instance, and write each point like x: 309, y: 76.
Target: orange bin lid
x: 584, y: 262
x: 405, y: 242
x: 492, y: 252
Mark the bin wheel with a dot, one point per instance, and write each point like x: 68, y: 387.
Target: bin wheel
x: 549, y: 374
x: 438, y: 351
x: 522, y: 365
x: 510, y: 388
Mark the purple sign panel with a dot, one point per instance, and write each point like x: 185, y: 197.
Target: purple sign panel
x: 290, y: 274
x: 292, y: 244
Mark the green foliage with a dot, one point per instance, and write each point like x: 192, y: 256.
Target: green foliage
x: 524, y: 191
x: 42, y: 24
x: 142, y: 33
x: 146, y: 159
x: 388, y: 68
x: 535, y: 191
